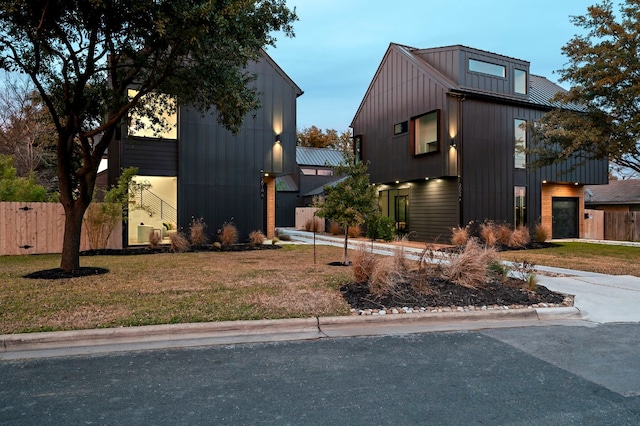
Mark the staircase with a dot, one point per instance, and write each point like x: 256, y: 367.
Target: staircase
x: 156, y: 206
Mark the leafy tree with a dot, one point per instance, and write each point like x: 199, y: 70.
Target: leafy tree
x: 15, y: 188
x: 83, y: 56
x: 27, y: 132
x: 314, y: 137
x: 351, y: 200
x: 604, y: 72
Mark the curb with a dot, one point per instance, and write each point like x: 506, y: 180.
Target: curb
x: 57, y: 343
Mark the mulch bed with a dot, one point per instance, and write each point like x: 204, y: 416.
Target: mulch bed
x: 442, y: 293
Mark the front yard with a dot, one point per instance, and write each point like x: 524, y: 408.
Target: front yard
x: 218, y: 286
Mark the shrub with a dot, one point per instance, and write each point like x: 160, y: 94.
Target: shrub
x: 154, y: 239
x: 498, y: 271
x: 179, y: 242
x: 503, y: 234
x: 488, y: 234
x: 313, y: 225
x: 281, y: 236
x: 335, y: 228
x: 256, y: 238
x: 519, y: 237
x: 355, y: 231
x: 197, y: 234
x: 385, y: 277
x: 470, y: 267
x: 526, y: 271
x: 386, y: 230
x: 363, y: 264
x: 541, y: 233
x: 228, y: 235
x: 460, y: 236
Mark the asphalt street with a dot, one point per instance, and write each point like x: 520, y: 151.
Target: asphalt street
x: 552, y: 375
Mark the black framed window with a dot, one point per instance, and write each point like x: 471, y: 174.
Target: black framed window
x: 426, y: 131
x: 400, y: 128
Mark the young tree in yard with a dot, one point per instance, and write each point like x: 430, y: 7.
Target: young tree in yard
x: 83, y: 55
x: 350, y: 201
x: 604, y: 70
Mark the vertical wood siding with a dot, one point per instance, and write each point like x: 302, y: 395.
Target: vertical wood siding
x: 38, y: 228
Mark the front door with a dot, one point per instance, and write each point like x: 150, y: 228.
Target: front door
x: 565, y: 217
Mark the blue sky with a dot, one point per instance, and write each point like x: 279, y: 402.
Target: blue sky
x: 340, y: 43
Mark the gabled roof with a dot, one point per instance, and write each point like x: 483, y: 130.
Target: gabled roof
x: 320, y: 190
x: 541, y: 90
x: 320, y: 157
x: 616, y: 192
x: 280, y: 71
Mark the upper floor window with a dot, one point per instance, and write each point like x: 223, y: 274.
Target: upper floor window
x: 357, y: 148
x: 520, y: 81
x: 308, y: 172
x: 162, y: 108
x: 487, y: 68
x: 325, y: 172
x: 520, y: 145
x: 425, y: 133
x: 400, y: 128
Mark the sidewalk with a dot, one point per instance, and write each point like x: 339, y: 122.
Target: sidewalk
x: 599, y: 298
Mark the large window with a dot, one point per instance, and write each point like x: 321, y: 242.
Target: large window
x: 425, y: 133
x: 520, y: 205
x: 487, y: 68
x: 163, y: 107
x: 520, y: 143
x: 520, y: 81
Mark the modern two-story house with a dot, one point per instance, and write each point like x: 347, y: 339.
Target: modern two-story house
x: 198, y: 169
x: 443, y: 130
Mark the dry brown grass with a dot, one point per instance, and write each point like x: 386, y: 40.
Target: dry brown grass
x: 313, y: 225
x: 197, y: 235
x: 355, y: 231
x: 520, y: 237
x: 503, y: 234
x: 470, y: 267
x: 154, y: 239
x: 167, y: 288
x: 488, y: 234
x: 228, y: 235
x: 335, y: 229
x: 256, y: 238
x: 363, y: 263
x: 179, y: 242
x: 541, y: 233
x: 460, y: 236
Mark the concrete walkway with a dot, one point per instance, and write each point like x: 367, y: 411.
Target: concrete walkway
x: 599, y: 298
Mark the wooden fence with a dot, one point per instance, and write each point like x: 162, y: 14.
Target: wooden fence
x: 622, y: 226
x: 593, y: 224
x: 307, y: 214
x: 38, y: 228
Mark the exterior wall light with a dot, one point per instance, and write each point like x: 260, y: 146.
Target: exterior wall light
x: 453, y: 143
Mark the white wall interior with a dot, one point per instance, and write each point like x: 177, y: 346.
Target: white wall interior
x: 165, y: 188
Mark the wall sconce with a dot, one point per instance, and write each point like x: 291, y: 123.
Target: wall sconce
x: 274, y: 158
x: 452, y: 144
x: 277, y: 138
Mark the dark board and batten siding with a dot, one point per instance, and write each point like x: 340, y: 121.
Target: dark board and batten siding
x: 220, y: 173
x: 401, y: 91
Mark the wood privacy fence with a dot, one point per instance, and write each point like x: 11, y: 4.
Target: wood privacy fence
x: 38, y: 228
x: 307, y: 214
x: 593, y: 224
x: 622, y: 226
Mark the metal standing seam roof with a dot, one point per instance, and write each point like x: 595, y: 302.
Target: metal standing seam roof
x: 320, y: 157
x: 542, y: 90
x: 616, y: 192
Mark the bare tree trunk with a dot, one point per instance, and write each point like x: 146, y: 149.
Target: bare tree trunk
x: 346, y: 244
x: 74, y: 213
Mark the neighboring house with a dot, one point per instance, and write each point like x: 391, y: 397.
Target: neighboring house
x: 442, y: 130
x: 617, y: 196
x: 201, y: 170
x: 314, y: 170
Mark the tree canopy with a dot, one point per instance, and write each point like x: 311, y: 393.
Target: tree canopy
x: 603, y: 70
x: 351, y: 200
x: 83, y: 55
x: 314, y: 137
